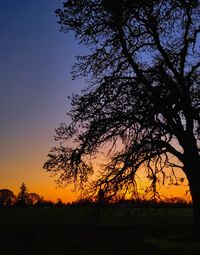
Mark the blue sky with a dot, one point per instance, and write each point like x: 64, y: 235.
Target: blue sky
x: 35, y: 80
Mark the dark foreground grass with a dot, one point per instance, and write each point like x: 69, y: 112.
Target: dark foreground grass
x: 90, y: 231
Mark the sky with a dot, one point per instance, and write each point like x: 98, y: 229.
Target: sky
x: 35, y: 81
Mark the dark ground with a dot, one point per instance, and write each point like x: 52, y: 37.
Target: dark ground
x: 59, y: 231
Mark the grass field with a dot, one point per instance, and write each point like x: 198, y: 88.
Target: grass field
x: 42, y: 231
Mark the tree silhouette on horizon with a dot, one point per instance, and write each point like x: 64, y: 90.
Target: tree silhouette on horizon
x: 143, y: 73
x: 7, y: 197
x: 23, y: 196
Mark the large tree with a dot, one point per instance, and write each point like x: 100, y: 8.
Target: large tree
x: 143, y: 71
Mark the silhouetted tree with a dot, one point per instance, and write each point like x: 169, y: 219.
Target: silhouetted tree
x: 143, y: 73
x: 34, y: 198
x: 59, y: 203
x: 23, y: 196
x: 7, y: 197
x: 101, y: 198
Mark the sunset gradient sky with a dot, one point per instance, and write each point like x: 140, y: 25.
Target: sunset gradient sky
x: 35, y: 80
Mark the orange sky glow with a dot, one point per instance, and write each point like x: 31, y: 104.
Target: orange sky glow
x: 28, y: 169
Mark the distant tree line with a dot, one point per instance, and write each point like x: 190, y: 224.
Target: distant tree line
x: 120, y: 201
x: 24, y: 199
x: 30, y: 199
x: 175, y: 202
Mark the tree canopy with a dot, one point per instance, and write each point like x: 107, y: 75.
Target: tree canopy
x: 143, y: 92
x: 23, y: 195
x: 7, y: 197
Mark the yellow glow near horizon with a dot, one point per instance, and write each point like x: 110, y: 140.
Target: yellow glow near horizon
x: 46, y: 187
x: 27, y: 167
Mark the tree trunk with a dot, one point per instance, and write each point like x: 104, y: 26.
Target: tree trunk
x: 192, y: 170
